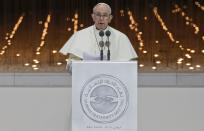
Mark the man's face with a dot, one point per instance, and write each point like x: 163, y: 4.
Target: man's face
x: 102, y: 17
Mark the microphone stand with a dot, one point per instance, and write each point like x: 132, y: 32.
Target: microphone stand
x: 108, y: 33
x: 108, y: 53
x: 101, y: 44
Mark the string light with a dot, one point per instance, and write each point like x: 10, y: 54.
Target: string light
x: 134, y: 26
x: 163, y: 25
x: 199, y: 5
x: 76, y: 24
x: 189, y: 21
x: 44, y: 33
x: 42, y: 43
x: 9, y: 36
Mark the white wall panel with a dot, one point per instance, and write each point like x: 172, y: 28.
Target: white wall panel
x: 41, y: 102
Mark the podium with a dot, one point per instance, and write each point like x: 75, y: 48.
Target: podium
x: 104, y: 96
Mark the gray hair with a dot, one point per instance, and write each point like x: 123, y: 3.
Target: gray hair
x: 103, y: 4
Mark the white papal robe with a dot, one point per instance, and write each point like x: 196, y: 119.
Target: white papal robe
x: 87, y: 41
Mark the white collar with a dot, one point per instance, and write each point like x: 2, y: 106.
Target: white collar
x: 97, y: 31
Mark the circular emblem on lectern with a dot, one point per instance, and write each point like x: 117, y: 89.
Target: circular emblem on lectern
x: 104, y: 98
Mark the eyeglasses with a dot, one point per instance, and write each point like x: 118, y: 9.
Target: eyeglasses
x: 98, y: 15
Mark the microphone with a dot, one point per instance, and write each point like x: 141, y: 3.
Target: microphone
x: 101, y: 43
x: 101, y: 33
x: 108, y: 33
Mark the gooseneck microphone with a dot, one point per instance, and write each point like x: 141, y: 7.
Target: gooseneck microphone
x: 108, y: 33
x: 101, y: 43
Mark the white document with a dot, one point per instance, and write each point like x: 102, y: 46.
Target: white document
x: 88, y: 56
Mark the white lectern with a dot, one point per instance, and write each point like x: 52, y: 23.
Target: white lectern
x: 104, y: 96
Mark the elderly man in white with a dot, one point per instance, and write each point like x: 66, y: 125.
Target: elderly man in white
x: 86, y: 41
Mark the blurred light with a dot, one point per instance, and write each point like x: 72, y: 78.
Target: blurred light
x: 26, y: 64
x: 198, y: 66
x: 188, y: 56
x: 192, y: 51
x: 154, y: 67
x: 67, y: 19
x: 36, y: 61
x: 156, y: 55
x: 34, y: 66
x: 37, y: 53
x: 2, y: 52
x: 179, y: 62
x: 18, y: 55
x: 188, y: 49
x: 191, y: 68
x: 59, y: 63
x: 199, y: 5
x: 54, y: 51
x: 121, y: 12
x: 180, y: 59
x: 5, y: 47
x: 141, y: 65
x: 81, y: 25
x: 158, y: 62
x: 69, y: 29
x: 40, y: 22
x: 187, y: 23
x: 188, y: 64
x: 144, y: 51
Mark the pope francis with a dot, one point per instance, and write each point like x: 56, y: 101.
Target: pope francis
x: 88, y: 41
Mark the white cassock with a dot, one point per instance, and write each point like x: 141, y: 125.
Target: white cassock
x: 86, y: 41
